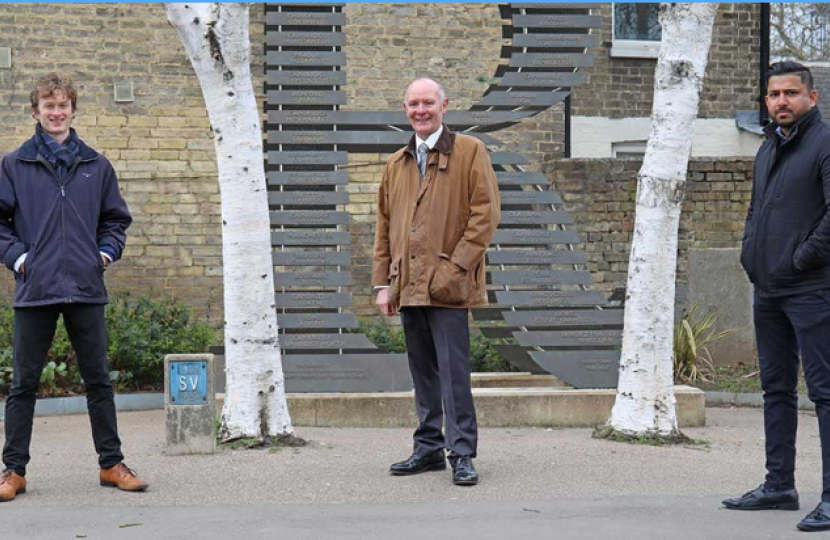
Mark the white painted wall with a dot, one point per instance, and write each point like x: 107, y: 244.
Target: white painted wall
x: 593, y: 136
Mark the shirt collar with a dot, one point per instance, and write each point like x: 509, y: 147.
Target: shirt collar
x: 431, y: 140
x: 780, y: 133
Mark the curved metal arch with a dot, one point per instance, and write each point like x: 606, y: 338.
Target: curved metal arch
x: 541, y: 302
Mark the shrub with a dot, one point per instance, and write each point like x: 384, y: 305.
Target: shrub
x: 692, y: 360
x: 385, y: 336
x: 6, y: 369
x: 139, y: 334
x: 483, y: 356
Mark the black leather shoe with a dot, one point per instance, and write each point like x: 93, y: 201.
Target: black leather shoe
x: 817, y: 520
x: 764, y: 499
x: 463, y: 472
x: 418, y: 464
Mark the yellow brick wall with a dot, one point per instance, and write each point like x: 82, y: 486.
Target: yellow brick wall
x: 160, y: 144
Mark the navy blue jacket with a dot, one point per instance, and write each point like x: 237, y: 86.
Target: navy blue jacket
x: 62, y: 223
x: 786, y: 243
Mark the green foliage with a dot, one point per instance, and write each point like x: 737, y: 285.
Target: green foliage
x: 247, y: 443
x: 483, y: 356
x: 275, y: 444
x: 692, y: 360
x: 142, y: 332
x: 383, y: 335
x: 738, y: 378
x: 51, y: 376
x: 743, y: 378
x: 649, y: 439
x: 6, y: 368
x: 139, y: 334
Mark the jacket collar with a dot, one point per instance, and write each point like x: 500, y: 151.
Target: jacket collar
x: 803, y: 123
x: 443, y: 145
x: 28, y: 152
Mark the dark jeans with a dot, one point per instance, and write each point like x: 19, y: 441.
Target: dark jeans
x: 438, y: 347
x: 784, y: 327
x: 34, y: 328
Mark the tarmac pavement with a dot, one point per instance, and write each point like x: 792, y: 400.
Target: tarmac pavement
x: 536, y: 483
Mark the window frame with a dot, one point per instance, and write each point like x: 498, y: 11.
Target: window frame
x: 631, y: 48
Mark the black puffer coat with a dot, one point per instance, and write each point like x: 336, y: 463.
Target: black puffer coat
x: 786, y: 243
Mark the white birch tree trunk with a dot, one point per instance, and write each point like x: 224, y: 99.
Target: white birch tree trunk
x: 645, y: 403
x: 216, y: 39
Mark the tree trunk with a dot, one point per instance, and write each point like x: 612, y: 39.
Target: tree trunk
x: 645, y: 404
x: 216, y: 39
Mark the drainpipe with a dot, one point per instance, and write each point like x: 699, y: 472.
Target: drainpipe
x: 763, y: 115
x: 567, y: 149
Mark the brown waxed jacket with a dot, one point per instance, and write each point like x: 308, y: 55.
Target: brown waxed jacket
x: 431, y: 235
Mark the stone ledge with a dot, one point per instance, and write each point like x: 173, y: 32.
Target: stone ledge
x: 521, y: 379
x: 495, y: 407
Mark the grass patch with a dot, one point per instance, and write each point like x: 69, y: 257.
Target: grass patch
x: 246, y: 443
x: 275, y: 444
x: 741, y: 378
x: 650, y: 439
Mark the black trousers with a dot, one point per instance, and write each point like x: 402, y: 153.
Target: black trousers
x: 34, y: 329
x: 786, y: 327
x: 438, y: 347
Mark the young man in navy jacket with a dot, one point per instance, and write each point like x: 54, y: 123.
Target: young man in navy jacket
x: 62, y: 222
x: 786, y: 254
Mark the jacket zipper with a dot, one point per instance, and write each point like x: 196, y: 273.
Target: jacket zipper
x: 758, y: 262
x: 769, y: 191
x: 62, y: 186
x: 69, y: 175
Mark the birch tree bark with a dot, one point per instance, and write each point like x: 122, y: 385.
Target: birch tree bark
x: 645, y: 403
x: 216, y: 39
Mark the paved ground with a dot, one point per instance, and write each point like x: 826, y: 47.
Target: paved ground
x: 535, y: 482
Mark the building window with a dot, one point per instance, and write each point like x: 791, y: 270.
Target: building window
x: 636, y: 31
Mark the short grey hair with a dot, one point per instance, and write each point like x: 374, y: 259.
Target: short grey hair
x: 441, y: 93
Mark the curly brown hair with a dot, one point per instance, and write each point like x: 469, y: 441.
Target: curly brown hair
x: 51, y: 83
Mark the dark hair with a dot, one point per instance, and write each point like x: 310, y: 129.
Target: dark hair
x: 49, y: 84
x: 791, y: 68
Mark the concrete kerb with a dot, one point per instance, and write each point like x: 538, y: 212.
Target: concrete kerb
x: 726, y: 399
x: 77, y: 404
x: 147, y: 402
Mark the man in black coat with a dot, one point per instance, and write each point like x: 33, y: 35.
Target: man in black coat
x: 62, y: 222
x: 786, y: 254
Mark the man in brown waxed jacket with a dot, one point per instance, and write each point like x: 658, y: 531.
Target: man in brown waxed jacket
x: 438, y: 208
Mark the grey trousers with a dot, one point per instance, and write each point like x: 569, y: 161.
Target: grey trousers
x: 438, y: 347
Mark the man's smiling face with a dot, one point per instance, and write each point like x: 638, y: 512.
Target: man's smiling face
x: 55, y: 113
x: 425, y: 107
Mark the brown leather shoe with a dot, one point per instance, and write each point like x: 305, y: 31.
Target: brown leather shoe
x: 122, y: 477
x: 11, y: 484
